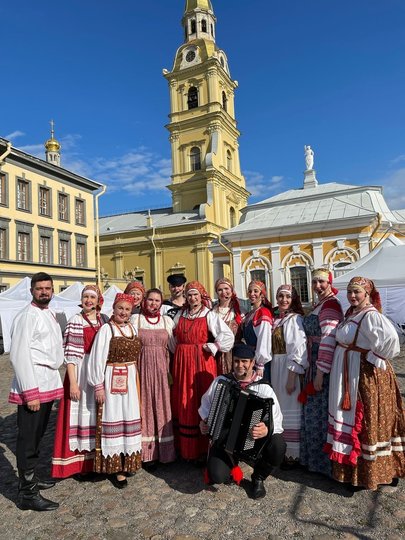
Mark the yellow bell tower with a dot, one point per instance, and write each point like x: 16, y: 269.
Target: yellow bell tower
x: 203, y: 133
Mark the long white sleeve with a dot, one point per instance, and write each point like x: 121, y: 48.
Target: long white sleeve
x: 382, y: 337
x: 263, y: 346
x: 296, y: 344
x: 223, y: 335
x: 22, y: 332
x: 98, y: 357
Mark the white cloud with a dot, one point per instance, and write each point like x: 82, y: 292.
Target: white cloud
x: 259, y: 185
x: 394, y: 192
x: 398, y: 159
x: 14, y: 135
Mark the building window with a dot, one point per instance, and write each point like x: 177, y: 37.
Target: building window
x: 195, y: 159
x: 44, y: 201
x: 80, y: 254
x: 193, y: 26
x: 23, y: 195
x: 229, y: 160
x: 63, y: 206
x: 3, y: 288
x: 224, y: 101
x: 3, y: 243
x: 192, y: 98
x: 299, y: 280
x: 80, y: 212
x: 23, y: 246
x: 232, y: 217
x: 3, y: 189
x: 64, y: 252
x: 204, y: 26
x: 258, y: 275
x: 45, y: 249
x: 338, y: 268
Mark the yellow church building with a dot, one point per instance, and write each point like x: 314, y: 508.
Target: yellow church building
x: 283, y: 238
x: 207, y: 186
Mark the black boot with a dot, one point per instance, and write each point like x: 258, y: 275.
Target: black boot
x: 44, y: 484
x: 29, y: 497
x: 258, y: 489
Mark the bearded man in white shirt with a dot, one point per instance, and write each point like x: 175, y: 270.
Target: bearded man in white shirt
x: 36, y: 354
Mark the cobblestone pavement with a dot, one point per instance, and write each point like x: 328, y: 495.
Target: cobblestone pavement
x: 174, y: 503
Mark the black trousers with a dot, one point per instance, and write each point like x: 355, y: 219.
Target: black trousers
x: 219, y: 464
x: 31, y: 428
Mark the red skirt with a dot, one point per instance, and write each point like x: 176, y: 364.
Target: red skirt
x: 66, y: 462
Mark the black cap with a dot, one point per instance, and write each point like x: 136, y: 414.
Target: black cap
x: 176, y: 280
x: 243, y: 351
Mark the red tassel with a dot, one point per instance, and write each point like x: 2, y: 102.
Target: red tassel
x: 206, y: 477
x: 302, y: 397
x: 237, y: 474
x: 346, y: 403
x: 310, y: 388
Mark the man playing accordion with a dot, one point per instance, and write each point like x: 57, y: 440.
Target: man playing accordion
x: 222, y: 463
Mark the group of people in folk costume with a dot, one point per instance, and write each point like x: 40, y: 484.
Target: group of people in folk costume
x: 139, y: 385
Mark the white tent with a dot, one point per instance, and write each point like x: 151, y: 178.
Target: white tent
x: 386, y: 267
x: 65, y: 304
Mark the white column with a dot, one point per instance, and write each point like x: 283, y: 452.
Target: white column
x: 317, y: 244
x: 364, y: 246
x: 277, y: 273
x: 237, y: 273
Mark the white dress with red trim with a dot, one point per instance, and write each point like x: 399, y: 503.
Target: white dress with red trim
x: 36, y: 354
x: 289, y: 354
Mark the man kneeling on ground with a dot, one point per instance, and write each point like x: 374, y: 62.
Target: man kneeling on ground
x: 219, y: 464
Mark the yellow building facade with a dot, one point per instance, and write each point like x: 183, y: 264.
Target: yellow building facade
x: 283, y: 238
x: 208, y: 189
x: 46, y: 218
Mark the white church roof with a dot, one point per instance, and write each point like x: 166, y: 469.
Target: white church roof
x: 163, y: 217
x: 316, y: 205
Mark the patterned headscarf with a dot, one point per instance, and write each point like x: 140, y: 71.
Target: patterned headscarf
x: 135, y: 285
x: 234, y: 299
x: 197, y: 286
x: 366, y: 285
x: 265, y: 301
x: 296, y: 306
x: 123, y: 297
x: 96, y: 291
x: 324, y: 273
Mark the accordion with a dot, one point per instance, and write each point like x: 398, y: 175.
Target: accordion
x: 234, y: 411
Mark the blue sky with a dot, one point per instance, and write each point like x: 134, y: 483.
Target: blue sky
x: 327, y: 73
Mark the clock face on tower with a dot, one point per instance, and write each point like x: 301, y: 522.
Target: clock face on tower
x: 190, y: 56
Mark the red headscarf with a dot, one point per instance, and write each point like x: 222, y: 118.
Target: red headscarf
x: 324, y: 273
x: 145, y: 309
x: 96, y: 290
x: 367, y: 285
x: 197, y: 286
x: 296, y: 306
x: 135, y: 285
x: 234, y: 299
x: 265, y: 301
x: 123, y: 297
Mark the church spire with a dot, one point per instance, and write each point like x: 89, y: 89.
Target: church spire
x: 199, y: 20
x: 52, y: 148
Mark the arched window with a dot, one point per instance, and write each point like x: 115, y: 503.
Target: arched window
x: 224, y: 101
x: 258, y: 275
x: 300, y: 281
x: 193, y: 26
x: 232, y: 217
x: 222, y: 62
x: 229, y: 160
x: 195, y: 159
x: 212, y: 30
x: 204, y: 26
x: 192, y: 98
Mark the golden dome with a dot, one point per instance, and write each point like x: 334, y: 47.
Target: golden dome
x: 191, y: 5
x: 52, y: 145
